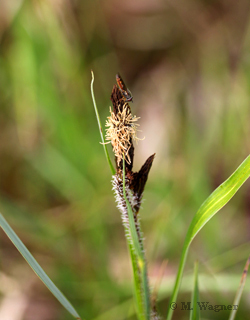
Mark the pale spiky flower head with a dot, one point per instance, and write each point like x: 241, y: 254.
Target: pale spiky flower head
x: 121, y: 131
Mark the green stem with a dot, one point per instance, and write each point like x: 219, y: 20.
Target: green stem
x: 146, y: 291
x: 137, y: 283
x: 138, y: 261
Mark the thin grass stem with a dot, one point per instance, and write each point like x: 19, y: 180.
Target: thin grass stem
x: 239, y: 292
x: 100, y: 126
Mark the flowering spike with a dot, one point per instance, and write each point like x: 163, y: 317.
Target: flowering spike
x: 121, y: 132
x: 121, y: 129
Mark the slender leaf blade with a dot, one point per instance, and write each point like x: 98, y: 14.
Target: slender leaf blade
x: 219, y: 198
x: 36, y: 267
x: 100, y: 126
x: 208, y: 209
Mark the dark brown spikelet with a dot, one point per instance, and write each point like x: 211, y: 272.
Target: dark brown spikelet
x: 117, y: 99
x: 137, y: 181
x: 121, y: 133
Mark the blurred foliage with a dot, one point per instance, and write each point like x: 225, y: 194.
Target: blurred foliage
x: 188, y: 67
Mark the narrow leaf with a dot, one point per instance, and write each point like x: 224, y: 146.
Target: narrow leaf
x: 36, y: 267
x: 208, y: 209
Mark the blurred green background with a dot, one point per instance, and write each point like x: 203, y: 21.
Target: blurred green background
x: 187, y: 64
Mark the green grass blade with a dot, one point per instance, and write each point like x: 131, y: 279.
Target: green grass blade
x: 195, y: 312
x: 240, y: 290
x: 100, y: 127
x: 36, y: 267
x: 208, y: 209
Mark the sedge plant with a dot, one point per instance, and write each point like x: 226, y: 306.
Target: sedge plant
x: 128, y: 187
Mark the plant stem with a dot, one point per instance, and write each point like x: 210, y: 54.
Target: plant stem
x: 138, y: 261
x: 100, y: 127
